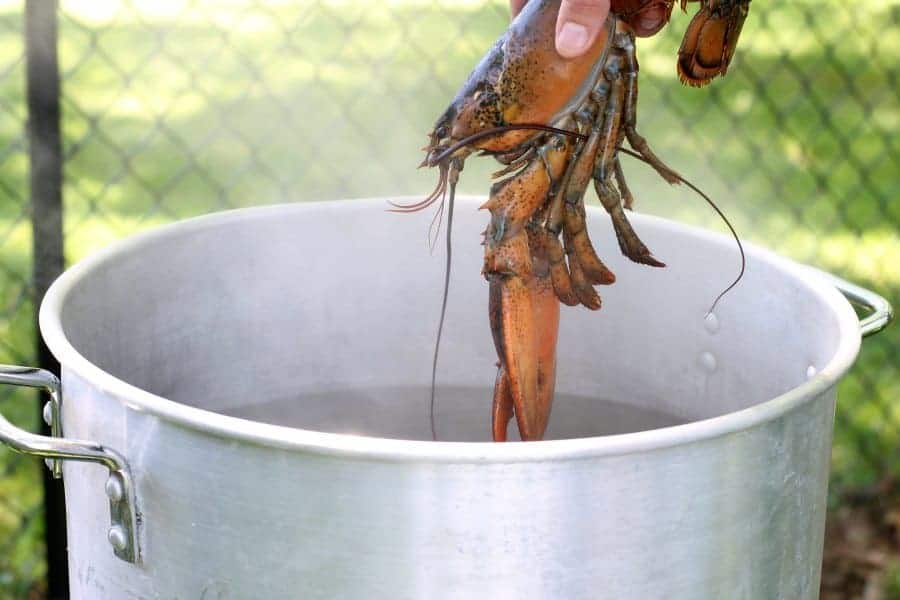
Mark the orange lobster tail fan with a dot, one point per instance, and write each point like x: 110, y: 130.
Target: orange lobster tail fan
x: 709, y: 44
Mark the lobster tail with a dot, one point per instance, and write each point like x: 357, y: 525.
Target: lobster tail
x: 710, y: 40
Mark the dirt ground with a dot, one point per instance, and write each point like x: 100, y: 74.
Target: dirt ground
x: 862, y: 547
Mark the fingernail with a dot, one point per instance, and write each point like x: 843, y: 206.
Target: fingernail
x: 572, y: 39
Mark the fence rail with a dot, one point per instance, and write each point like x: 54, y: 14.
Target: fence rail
x: 172, y: 108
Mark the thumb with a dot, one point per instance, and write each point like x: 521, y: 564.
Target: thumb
x: 578, y: 24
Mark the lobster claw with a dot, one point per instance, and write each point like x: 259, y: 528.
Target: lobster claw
x: 523, y: 305
x: 524, y: 322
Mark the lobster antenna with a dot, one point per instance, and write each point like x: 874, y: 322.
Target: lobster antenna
x: 497, y: 131
x: 452, y: 179
x: 721, y: 214
x: 434, y: 230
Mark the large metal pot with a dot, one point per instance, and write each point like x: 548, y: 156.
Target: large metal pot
x: 317, y: 321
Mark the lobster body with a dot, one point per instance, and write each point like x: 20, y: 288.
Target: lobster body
x: 522, y: 79
x: 557, y: 125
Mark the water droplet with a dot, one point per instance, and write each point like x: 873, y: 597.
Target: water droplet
x: 711, y: 323
x: 811, y: 371
x: 114, y: 489
x: 116, y: 537
x: 708, y: 361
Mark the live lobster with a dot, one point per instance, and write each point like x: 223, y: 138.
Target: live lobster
x: 558, y: 125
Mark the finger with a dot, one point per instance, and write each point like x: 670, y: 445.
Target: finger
x: 578, y: 24
x: 515, y: 6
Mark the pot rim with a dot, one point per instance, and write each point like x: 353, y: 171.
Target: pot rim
x: 387, y: 449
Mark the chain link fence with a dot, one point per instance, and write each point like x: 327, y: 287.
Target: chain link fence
x: 174, y: 108
x: 22, y: 553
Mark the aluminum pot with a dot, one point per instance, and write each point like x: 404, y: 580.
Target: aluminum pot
x: 255, y: 383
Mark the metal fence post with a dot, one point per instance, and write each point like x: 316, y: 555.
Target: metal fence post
x: 45, y: 154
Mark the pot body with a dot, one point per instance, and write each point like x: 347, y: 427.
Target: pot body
x: 317, y: 321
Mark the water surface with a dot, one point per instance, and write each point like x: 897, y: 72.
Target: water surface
x: 462, y: 414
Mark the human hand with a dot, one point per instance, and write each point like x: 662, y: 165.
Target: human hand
x: 577, y: 26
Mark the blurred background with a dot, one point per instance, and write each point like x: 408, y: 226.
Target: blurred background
x: 174, y: 108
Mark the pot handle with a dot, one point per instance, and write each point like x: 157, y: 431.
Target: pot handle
x: 124, y: 519
x: 879, y: 309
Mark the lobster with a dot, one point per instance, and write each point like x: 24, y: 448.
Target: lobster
x: 556, y: 125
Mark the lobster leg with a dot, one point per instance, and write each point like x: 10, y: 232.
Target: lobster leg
x: 566, y: 215
x: 585, y: 292
x: 616, y: 115
x: 523, y: 308
x: 563, y: 283
x: 624, y: 190
x: 583, y: 257
x: 624, y: 43
x: 559, y: 271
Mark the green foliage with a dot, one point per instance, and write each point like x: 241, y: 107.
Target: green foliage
x: 892, y: 584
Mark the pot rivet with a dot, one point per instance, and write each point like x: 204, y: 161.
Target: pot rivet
x: 114, y: 490
x: 116, y: 537
x: 48, y: 413
x: 708, y: 361
x: 711, y: 323
x: 811, y: 371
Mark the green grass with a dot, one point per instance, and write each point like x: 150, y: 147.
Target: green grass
x: 171, y: 113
